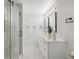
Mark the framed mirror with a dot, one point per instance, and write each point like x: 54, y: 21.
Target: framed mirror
x: 51, y: 20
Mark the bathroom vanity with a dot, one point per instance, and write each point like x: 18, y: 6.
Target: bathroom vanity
x: 52, y: 49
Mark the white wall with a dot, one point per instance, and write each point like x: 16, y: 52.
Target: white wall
x: 30, y: 33
x: 65, y: 9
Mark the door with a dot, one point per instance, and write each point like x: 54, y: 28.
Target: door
x: 20, y: 34
x: 14, y: 31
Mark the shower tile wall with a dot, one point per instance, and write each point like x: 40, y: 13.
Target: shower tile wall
x: 31, y: 27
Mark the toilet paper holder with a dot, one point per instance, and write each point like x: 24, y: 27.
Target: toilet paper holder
x: 69, y: 20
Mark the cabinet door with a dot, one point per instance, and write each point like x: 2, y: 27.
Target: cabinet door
x: 45, y: 50
x: 60, y: 50
x: 51, y: 50
x: 14, y: 32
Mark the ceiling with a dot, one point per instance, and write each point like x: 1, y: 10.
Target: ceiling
x: 36, y: 6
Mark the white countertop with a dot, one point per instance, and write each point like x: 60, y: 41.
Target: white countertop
x: 51, y: 40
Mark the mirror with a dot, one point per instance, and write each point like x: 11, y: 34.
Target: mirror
x: 51, y: 20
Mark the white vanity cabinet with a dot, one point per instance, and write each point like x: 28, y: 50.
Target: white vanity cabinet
x: 52, y: 49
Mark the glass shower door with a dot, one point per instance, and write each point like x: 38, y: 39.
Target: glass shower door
x: 11, y: 30
x: 14, y: 31
x: 7, y: 30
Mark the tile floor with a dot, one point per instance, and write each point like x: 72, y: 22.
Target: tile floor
x: 31, y: 52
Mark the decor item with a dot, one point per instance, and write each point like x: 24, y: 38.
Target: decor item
x: 49, y: 29
x: 49, y: 32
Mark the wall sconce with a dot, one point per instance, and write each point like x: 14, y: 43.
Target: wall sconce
x: 69, y: 20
